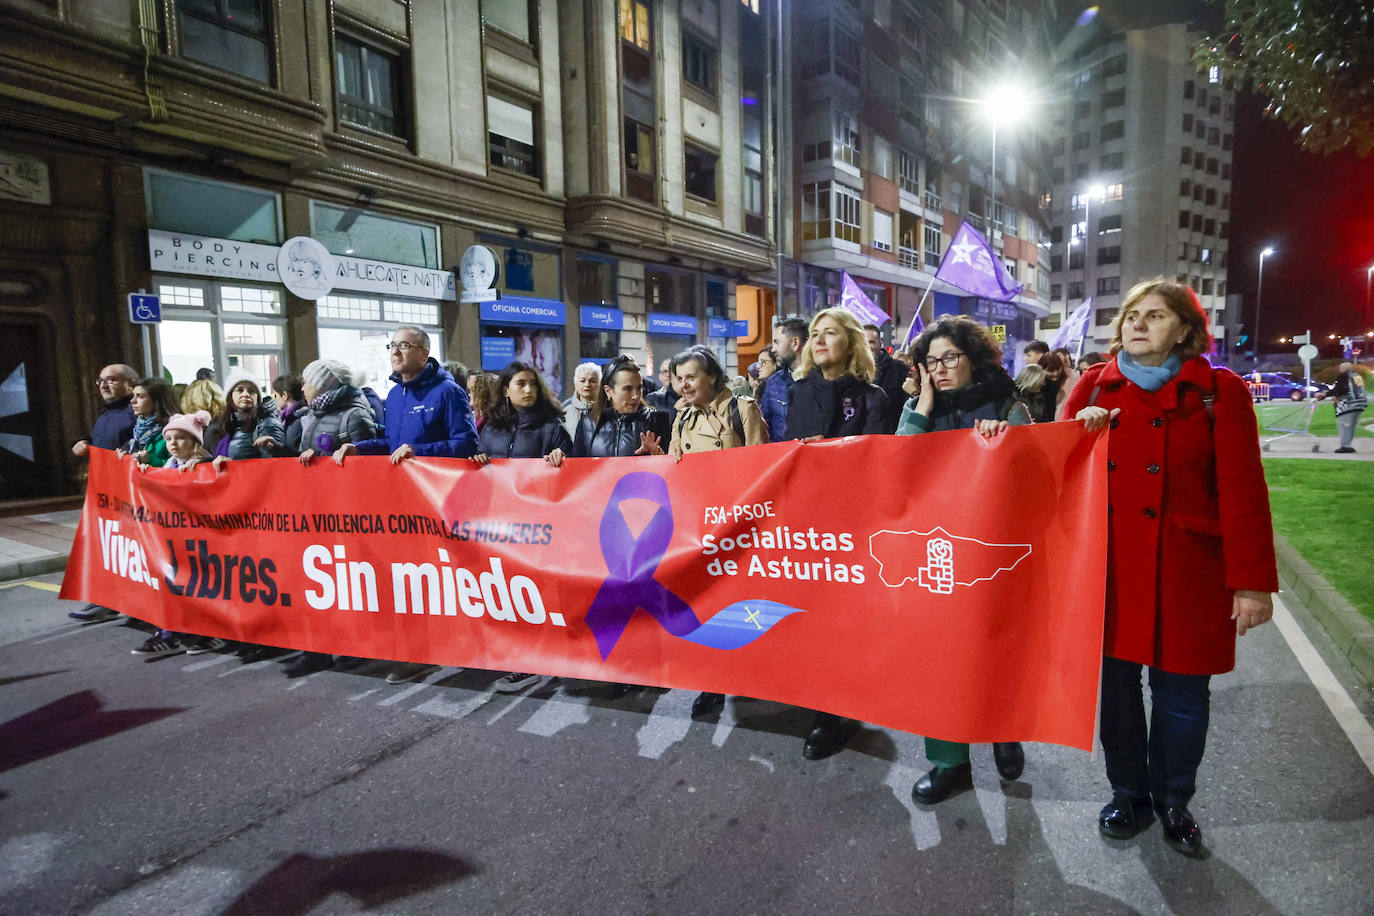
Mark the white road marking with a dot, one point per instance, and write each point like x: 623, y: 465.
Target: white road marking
x: 1343, y: 709
x: 555, y: 714
x: 667, y: 724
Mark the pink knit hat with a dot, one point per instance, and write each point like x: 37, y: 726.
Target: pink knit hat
x: 193, y: 424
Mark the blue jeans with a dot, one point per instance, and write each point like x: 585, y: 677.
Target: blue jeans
x: 1163, y: 765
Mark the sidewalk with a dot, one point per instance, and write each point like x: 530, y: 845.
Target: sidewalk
x: 1301, y: 447
x: 31, y: 545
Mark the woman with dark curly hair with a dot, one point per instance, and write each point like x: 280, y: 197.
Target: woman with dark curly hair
x: 963, y: 386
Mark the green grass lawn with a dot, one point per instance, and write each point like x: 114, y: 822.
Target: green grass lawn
x: 1293, y: 415
x: 1324, y: 509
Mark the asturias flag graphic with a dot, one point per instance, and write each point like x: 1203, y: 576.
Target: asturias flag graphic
x: 972, y: 265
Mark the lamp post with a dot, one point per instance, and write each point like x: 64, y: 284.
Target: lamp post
x: 1259, y: 299
x: 1004, y: 103
x: 1368, y: 276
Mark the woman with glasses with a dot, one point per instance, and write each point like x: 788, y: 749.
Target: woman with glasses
x: 834, y: 396
x: 624, y: 425
x: 962, y: 386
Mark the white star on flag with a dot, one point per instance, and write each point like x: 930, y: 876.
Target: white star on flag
x: 963, y: 252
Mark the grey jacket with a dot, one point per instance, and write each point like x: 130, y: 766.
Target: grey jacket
x: 348, y: 419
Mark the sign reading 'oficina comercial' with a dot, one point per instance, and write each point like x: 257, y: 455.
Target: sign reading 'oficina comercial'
x: 177, y: 252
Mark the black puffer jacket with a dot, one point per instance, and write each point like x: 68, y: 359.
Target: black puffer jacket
x: 891, y: 374
x: 846, y: 406
x: 616, y: 435
x: 534, y: 435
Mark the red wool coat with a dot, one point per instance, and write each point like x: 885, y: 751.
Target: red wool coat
x: 1188, y: 517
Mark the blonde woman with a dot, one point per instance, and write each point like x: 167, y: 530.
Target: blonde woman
x: 206, y: 394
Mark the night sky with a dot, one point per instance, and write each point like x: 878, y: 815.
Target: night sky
x: 1316, y: 211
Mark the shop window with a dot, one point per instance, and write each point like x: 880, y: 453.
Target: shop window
x: 184, y: 296
x: 250, y: 299
x: 698, y: 63
x: 511, y: 136
x: 406, y: 312
x: 232, y: 35
x: 700, y: 172
x: 369, y: 86
x: 355, y: 232
x: 514, y: 17
x: 355, y: 329
x: 352, y: 308
x: 195, y: 334
x: 197, y: 206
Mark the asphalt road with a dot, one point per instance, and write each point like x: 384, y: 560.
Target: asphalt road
x: 206, y: 785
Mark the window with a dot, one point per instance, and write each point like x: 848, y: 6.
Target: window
x: 1199, y: 159
x: 1206, y: 286
x: 344, y: 230
x: 751, y: 120
x: 1082, y: 110
x: 1197, y: 222
x: 634, y: 22
x: 1113, y: 130
x: 1197, y: 192
x: 1184, y: 251
x: 1056, y: 263
x: 1226, y: 171
x: 1114, y: 191
x: 1187, y: 122
x: 1056, y: 290
x: 882, y: 157
x: 1187, y: 158
x: 1200, y: 129
x: 1080, y: 170
x: 1051, y: 322
x: 1211, y: 166
x: 816, y: 211
x: 911, y: 102
x: 1226, y: 201
x: 698, y: 63
x: 232, y: 35
x: 510, y: 16
x: 510, y: 137
x: 1185, y: 188
x: 1188, y: 89
x: 1103, y: 316
x: 847, y: 206
x: 1075, y: 289
x: 882, y: 230
x: 369, y: 91
x: 1109, y: 161
x: 1113, y: 99
x: 1201, y: 96
x: 1109, y: 254
x: 197, y: 206
x: 1107, y: 286
x: 932, y: 115
x: 1205, y: 256
x: 639, y: 160
x: 846, y: 138
x: 1114, y: 66
x: 1082, y: 139
x: 1184, y: 218
x: 1226, y: 141
x: 1056, y: 235
x: 1076, y: 259
x: 1213, y: 136
x: 1211, y: 196
x: 700, y: 172
x: 1213, y: 74
x: 1057, y: 175
x: 908, y: 172
x: 930, y: 235
x: 1221, y: 291
x: 847, y: 55
x: 1222, y: 230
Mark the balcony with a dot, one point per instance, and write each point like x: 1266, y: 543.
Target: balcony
x: 909, y: 257
x: 932, y: 201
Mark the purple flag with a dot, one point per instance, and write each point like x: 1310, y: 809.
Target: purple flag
x: 853, y: 300
x: 972, y: 265
x: 1074, y: 328
x: 917, y: 326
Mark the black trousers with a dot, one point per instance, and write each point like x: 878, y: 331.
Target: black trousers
x: 1161, y: 763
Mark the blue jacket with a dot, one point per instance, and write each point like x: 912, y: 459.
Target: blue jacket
x: 115, y: 424
x: 430, y: 413
x: 773, y: 401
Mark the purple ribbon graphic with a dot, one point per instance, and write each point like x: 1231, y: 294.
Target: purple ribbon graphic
x: 630, y: 584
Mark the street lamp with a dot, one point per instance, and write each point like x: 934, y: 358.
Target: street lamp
x: 1368, y: 275
x: 1005, y: 103
x: 1259, y: 298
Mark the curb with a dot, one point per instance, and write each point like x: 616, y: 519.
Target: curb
x: 24, y: 569
x: 1318, y: 602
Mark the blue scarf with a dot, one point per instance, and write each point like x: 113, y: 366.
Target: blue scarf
x: 145, y: 430
x: 1151, y: 378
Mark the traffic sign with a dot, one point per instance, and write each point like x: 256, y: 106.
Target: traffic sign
x: 1307, y: 353
x: 145, y: 309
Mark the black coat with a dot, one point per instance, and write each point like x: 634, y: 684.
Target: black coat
x: 845, y: 407
x: 891, y: 375
x: 534, y: 435
x: 616, y: 435
x: 115, y: 424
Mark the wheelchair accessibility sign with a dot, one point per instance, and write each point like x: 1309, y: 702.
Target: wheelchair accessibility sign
x: 145, y: 309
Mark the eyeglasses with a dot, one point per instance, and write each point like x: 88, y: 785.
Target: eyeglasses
x: 949, y: 361
x: 403, y: 345
x: 108, y: 380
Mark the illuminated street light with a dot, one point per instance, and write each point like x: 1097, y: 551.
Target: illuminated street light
x: 1259, y: 298
x: 1005, y: 103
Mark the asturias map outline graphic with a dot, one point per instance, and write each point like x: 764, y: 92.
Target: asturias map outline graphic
x: 949, y: 559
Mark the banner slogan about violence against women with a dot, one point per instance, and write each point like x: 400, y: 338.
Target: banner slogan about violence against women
x: 943, y: 584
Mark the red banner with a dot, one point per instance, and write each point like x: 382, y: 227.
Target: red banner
x: 943, y: 584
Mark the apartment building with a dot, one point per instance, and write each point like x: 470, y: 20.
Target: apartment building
x: 1142, y: 177
x: 612, y: 156
x: 891, y: 149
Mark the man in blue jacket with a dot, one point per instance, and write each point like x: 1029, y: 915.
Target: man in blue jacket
x: 789, y: 337
x: 427, y: 414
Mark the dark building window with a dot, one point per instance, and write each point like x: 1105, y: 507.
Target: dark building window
x: 1114, y: 130
x: 1082, y: 110
x: 369, y: 86
x: 232, y: 35
x: 1109, y: 223
x: 1056, y: 263
x: 700, y: 172
x: 1110, y: 254
x: 514, y: 17
x: 1076, y: 260
x: 1107, y: 286
x: 1184, y: 218
x: 1110, y: 161
x: 511, y: 136
x: 698, y: 63
x: 639, y: 160
x: 1104, y: 316
x: 1082, y: 139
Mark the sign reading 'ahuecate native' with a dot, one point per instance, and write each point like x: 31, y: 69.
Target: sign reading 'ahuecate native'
x: 944, y: 584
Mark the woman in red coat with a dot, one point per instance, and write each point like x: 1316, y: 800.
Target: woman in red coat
x: 1190, y: 555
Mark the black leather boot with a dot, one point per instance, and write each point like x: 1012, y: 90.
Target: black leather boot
x: 942, y: 782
